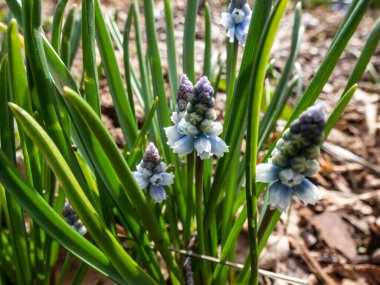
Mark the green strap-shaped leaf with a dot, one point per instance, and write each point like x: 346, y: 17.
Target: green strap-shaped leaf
x: 189, y: 38
x: 91, y: 80
x: 56, y: 30
x: 171, y: 51
x: 123, y: 109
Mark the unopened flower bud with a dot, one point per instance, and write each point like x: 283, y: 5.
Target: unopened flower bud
x: 298, y: 163
x: 280, y: 160
x: 312, y: 167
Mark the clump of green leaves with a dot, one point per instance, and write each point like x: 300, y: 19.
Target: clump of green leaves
x: 69, y: 154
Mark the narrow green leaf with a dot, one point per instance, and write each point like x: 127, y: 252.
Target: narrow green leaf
x: 171, y: 51
x: 279, y: 97
x: 15, y: 216
x: 91, y: 80
x: 365, y: 56
x: 126, y: 37
x: 338, y: 110
x: 66, y: 37
x: 208, y: 42
x: 110, y: 65
x: 56, y: 31
x: 20, y: 93
x: 189, y: 39
x: 76, y: 35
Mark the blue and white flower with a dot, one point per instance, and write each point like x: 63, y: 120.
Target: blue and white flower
x: 151, y: 174
x: 285, y: 182
x: 197, y: 129
x: 295, y: 158
x: 237, y: 20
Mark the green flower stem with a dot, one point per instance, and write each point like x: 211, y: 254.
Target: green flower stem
x: 189, y: 198
x: 199, y: 167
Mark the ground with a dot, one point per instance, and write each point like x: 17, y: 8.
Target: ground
x: 338, y: 240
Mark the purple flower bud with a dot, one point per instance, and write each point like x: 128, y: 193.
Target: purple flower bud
x: 151, y: 174
x: 185, y: 92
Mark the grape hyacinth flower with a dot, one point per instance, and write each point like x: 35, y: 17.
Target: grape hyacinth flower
x: 197, y: 129
x: 151, y: 174
x: 72, y: 219
x: 185, y: 92
x: 295, y: 158
x: 237, y: 20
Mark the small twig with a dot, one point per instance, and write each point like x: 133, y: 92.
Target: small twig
x: 269, y: 274
x: 311, y: 261
x: 190, y: 253
x: 187, y: 268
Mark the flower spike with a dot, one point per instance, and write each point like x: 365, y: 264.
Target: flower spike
x: 197, y: 129
x: 295, y: 158
x: 151, y: 174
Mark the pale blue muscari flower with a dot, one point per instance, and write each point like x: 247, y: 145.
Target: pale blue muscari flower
x: 198, y: 130
x: 72, y: 219
x: 285, y: 182
x: 237, y: 20
x: 151, y: 174
x: 294, y: 158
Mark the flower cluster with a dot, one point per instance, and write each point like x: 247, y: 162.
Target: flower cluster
x: 72, y: 219
x: 151, y: 174
x: 196, y: 128
x: 237, y: 20
x: 294, y: 158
